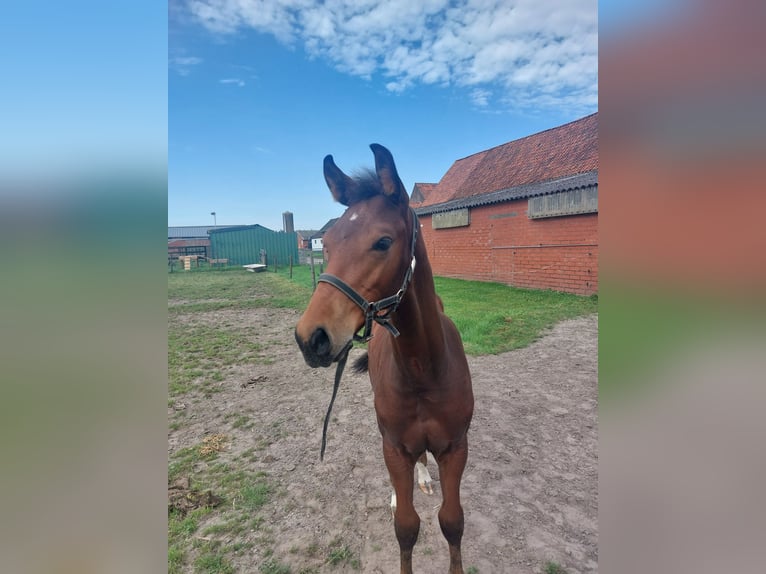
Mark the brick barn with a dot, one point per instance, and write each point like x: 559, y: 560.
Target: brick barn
x: 524, y: 213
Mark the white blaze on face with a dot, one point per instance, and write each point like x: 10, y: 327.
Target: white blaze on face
x: 353, y: 216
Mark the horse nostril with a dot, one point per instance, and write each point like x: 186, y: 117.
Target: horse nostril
x: 320, y: 342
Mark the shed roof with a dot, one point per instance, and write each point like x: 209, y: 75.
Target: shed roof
x: 550, y: 155
x: 240, y: 228
x: 325, y: 227
x: 193, y: 231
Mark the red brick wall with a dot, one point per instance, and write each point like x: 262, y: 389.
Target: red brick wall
x: 502, y: 244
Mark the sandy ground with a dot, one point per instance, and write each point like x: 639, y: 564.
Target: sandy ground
x: 529, y: 492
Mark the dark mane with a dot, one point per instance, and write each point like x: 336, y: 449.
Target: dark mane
x: 367, y: 186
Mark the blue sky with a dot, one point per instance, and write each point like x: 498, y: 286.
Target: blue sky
x: 260, y: 92
x: 79, y: 93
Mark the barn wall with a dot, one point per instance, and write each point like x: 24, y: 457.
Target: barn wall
x: 242, y: 246
x: 178, y: 247
x: 502, y: 244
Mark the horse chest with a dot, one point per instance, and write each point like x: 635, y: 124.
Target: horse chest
x: 412, y: 422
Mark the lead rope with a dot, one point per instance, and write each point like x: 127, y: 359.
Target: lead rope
x: 338, y: 373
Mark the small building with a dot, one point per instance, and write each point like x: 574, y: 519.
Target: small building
x: 190, y: 240
x: 316, y: 240
x: 524, y: 213
x: 304, y: 237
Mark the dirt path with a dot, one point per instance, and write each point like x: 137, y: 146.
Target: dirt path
x: 529, y: 491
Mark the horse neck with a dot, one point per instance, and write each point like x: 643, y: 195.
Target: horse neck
x: 418, y: 317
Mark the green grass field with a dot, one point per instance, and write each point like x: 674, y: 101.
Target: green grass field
x: 492, y: 318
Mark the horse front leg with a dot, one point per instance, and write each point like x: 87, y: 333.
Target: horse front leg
x: 451, y: 466
x: 406, y: 520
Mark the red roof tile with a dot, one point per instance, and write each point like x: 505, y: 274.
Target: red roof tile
x: 558, y: 152
x: 421, y: 191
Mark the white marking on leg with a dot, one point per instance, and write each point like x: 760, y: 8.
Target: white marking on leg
x: 424, y: 478
x: 393, y: 502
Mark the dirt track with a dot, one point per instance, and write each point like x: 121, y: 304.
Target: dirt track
x: 530, y: 487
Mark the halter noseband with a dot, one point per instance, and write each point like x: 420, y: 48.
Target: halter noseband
x: 379, y: 311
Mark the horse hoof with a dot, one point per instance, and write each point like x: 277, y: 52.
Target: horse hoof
x: 426, y: 488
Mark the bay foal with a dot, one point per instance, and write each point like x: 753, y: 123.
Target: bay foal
x: 379, y: 278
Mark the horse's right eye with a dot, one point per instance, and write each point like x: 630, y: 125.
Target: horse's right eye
x: 383, y: 244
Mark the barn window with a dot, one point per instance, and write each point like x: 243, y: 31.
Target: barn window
x: 447, y: 219
x: 569, y: 202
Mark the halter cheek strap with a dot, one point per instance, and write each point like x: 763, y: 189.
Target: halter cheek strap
x: 378, y: 311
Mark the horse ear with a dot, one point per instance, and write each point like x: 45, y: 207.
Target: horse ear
x: 387, y: 174
x: 339, y: 183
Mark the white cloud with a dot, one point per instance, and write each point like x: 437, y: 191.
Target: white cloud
x: 480, y: 97
x: 182, y: 64
x: 233, y: 81
x: 533, y: 51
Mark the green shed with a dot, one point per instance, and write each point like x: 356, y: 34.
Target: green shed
x: 244, y: 245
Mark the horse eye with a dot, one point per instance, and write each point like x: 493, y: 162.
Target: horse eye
x: 383, y: 244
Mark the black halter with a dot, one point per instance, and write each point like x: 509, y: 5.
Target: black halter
x: 379, y: 311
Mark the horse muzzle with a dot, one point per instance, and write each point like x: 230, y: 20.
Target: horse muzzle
x: 318, y: 350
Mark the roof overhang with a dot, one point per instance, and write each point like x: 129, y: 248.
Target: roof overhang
x: 577, y: 181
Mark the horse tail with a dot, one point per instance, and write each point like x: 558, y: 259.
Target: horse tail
x: 361, y: 364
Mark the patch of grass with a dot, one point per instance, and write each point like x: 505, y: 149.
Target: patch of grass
x: 343, y: 554
x: 180, y: 531
x: 254, y: 494
x: 212, y: 562
x: 240, y: 421
x: 493, y: 318
x: 553, y: 568
x: 312, y: 550
x: 235, y: 288
x: 183, y: 526
x: 472, y: 570
x: 249, y: 455
x: 272, y: 566
x: 197, y: 352
x: 242, y: 492
x: 233, y: 526
x: 301, y: 276
x: 175, y: 559
x: 256, y: 523
x: 221, y: 284
x: 183, y: 461
x: 238, y: 547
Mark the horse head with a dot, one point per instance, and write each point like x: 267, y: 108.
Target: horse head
x: 367, y: 252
